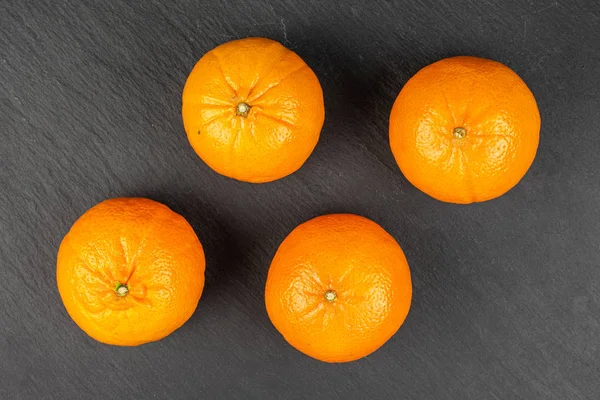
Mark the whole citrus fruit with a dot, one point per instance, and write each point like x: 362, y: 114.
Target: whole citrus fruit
x: 338, y: 288
x: 130, y: 271
x: 465, y: 129
x: 253, y: 110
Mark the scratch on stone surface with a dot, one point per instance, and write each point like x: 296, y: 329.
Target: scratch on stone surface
x: 224, y: 36
x: 284, y: 29
x: 266, y: 24
x: 546, y: 8
x: 281, y: 24
x: 525, y: 16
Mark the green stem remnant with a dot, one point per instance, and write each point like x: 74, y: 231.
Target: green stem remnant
x: 459, y: 133
x: 330, y: 296
x: 242, y: 109
x: 121, y: 290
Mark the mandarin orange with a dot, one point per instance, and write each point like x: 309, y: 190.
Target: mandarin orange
x: 338, y: 288
x: 465, y: 129
x: 253, y: 110
x: 130, y: 271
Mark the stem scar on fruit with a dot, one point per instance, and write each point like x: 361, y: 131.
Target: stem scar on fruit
x: 330, y: 296
x: 459, y: 132
x: 242, y: 109
x: 121, y: 290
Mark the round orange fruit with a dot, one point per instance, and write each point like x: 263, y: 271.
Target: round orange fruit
x: 465, y: 129
x: 130, y: 271
x: 338, y: 288
x: 253, y: 110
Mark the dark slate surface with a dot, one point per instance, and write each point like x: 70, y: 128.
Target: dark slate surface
x: 506, y: 293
